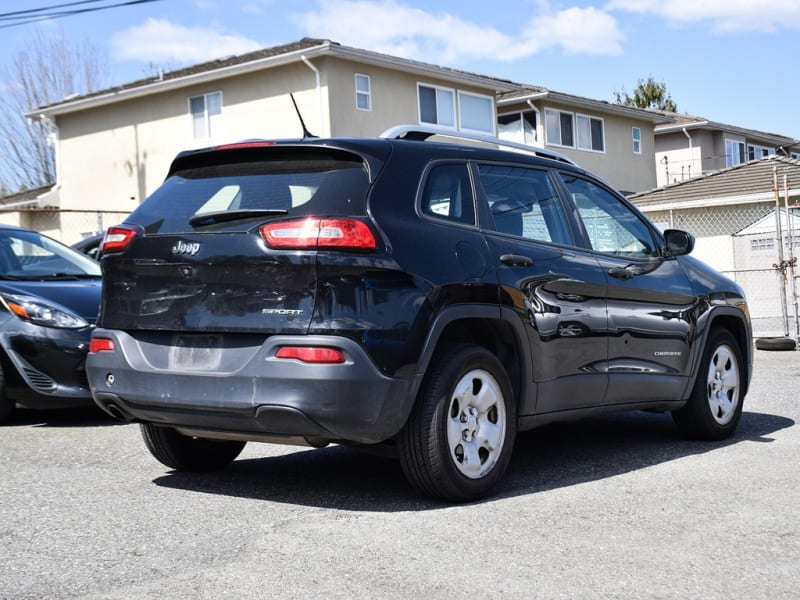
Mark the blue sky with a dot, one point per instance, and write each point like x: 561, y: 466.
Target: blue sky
x: 731, y: 61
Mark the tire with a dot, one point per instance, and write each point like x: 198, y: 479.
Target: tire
x: 715, y: 405
x: 457, y: 442
x: 777, y: 343
x: 184, y: 453
x: 7, y: 405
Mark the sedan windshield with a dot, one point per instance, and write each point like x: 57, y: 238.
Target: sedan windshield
x: 26, y: 255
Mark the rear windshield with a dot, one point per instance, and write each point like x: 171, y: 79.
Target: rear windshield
x: 298, y: 184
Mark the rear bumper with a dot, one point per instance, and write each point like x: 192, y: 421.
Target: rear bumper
x: 245, y: 390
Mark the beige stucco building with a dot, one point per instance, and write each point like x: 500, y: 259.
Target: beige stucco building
x: 692, y: 146
x: 114, y: 147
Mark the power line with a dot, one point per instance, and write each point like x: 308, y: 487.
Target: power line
x: 57, y: 11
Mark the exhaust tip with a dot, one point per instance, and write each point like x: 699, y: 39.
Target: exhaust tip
x: 109, y: 403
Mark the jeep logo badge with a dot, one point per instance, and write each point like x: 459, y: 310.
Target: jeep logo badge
x: 182, y: 247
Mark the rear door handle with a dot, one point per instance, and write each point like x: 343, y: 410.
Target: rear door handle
x: 516, y: 260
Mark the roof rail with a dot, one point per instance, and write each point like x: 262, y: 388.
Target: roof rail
x: 423, y: 132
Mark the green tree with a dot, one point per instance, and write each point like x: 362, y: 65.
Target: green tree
x: 45, y: 70
x: 648, y: 94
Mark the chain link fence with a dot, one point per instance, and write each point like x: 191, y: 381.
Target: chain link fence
x: 751, y: 246
x: 67, y: 226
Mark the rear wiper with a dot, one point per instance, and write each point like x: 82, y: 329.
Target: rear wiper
x: 221, y: 216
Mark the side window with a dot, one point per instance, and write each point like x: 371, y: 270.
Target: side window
x: 636, y: 135
x: 206, y: 114
x: 524, y: 202
x: 612, y: 227
x: 437, y: 105
x: 448, y: 194
x: 363, y: 92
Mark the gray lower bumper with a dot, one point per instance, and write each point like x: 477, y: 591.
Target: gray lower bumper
x: 245, y: 389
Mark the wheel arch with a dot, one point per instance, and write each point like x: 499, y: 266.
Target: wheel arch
x: 733, y: 321
x: 497, y: 329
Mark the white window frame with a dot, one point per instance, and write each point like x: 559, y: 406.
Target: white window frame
x: 590, y: 147
x: 211, y: 128
x: 519, y: 135
x: 795, y: 155
x: 437, y: 91
x: 756, y: 151
x: 741, y: 155
x: 491, y: 120
x: 636, y: 136
x: 559, y: 143
x: 363, y: 94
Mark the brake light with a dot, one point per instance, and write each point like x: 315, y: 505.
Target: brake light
x: 311, y: 354
x: 117, y: 238
x: 251, y: 144
x: 101, y: 345
x: 319, y: 233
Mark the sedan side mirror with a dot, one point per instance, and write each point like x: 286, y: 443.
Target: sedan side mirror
x: 678, y: 242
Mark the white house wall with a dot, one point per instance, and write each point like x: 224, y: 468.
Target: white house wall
x: 679, y: 157
x: 112, y: 157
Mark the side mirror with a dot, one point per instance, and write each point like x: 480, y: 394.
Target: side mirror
x: 678, y: 242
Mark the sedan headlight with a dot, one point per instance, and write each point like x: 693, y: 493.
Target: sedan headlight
x: 41, y: 312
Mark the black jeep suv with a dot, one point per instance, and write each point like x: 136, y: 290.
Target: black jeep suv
x: 437, y: 297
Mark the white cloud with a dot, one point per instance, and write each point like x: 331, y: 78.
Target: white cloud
x: 398, y: 29
x: 724, y: 15
x: 578, y: 31
x: 158, y: 40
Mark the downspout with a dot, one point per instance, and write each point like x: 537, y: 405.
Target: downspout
x: 691, y: 150
x: 538, y: 120
x: 319, y: 89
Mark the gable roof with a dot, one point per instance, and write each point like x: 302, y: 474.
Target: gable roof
x: 531, y: 92
x: 266, y: 58
x: 689, y: 122
x: 745, y: 183
x: 766, y: 224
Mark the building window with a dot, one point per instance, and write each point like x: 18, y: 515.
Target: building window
x: 559, y: 128
x: 206, y: 113
x: 590, y: 133
x: 761, y: 244
x: 734, y: 152
x: 636, y: 133
x: 755, y: 152
x: 436, y: 106
x: 518, y: 127
x: 363, y: 92
x: 476, y: 112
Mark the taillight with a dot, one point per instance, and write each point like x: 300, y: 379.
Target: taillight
x: 101, y: 345
x: 319, y: 233
x: 117, y: 238
x: 311, y: 354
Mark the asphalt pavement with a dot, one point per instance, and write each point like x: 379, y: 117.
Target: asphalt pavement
x: 612, y: 507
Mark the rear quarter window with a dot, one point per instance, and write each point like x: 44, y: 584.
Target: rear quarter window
x: 447, y: 194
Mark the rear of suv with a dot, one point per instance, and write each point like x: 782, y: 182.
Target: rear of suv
x: 434, y: 297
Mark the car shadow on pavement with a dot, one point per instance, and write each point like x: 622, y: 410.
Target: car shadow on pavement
x: 550, y: 457
x: 81, y: 416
